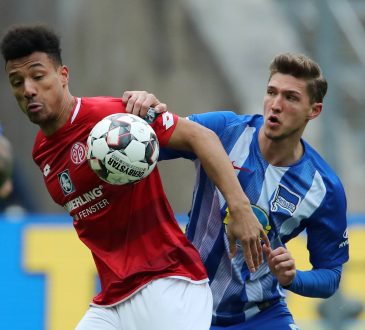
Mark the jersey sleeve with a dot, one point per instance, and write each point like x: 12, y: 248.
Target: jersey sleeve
x: 327, y: 237
x: 217, y: 121
x: 164, y: 125
x: 317, y: 283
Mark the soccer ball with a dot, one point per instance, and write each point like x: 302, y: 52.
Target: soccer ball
x: 122, y: 148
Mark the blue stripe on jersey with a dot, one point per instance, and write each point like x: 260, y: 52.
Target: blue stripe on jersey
x: 195, y: 213
x: 215, y: 256
x: 304, y: 196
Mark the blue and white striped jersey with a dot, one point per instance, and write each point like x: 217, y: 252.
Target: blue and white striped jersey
x: 307, y: 195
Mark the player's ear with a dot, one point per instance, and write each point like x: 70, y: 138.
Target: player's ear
x: 316, y: 109
x: 64, y: 74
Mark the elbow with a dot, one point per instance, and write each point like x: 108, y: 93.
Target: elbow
x: 328, y: 293
x: 201, y: 138
x: 332, y: 289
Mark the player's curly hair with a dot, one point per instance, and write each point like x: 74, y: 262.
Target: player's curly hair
x: 301, y: 67
x: 22, y: 40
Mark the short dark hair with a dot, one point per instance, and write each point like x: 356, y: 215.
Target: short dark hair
x: 22, y: 40
x: 301, y: 67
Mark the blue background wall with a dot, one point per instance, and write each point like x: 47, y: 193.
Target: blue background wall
x: 47, y: 277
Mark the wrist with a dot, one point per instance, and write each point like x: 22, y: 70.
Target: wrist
x: 288, y: 285
x: 243, y: 206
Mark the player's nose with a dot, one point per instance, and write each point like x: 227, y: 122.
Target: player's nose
x: 277, y: 102
x: 29, y: 89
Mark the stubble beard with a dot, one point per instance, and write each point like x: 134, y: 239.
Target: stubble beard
x: 279, y: 136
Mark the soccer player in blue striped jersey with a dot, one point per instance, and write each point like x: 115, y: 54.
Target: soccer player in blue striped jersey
x: 291, y: 189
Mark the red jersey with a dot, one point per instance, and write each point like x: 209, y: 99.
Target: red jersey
x: 130, y: 229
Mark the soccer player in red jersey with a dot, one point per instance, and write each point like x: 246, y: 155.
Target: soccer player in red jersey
x: 151, y: 275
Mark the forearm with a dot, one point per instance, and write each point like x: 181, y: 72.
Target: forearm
x: 317, y: 283
x: 243, y: 225
x: 206, y: 146
x: 219, y: 169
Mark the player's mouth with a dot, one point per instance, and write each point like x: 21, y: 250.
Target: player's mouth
x: 34, y: 107
x: 273, y: 121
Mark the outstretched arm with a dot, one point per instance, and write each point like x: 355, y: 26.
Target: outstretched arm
x: 205, y: 144
x: 243, y: 225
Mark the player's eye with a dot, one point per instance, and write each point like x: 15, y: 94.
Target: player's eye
x: 292, y: 98
x: 16, y: 83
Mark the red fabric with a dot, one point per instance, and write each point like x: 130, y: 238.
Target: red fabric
x: 130, y: 229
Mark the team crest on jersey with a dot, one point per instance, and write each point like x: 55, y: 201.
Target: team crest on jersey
x: 285, y: 199
x: 65, y: 182
x: 261, y: 216
x: 78, y: 153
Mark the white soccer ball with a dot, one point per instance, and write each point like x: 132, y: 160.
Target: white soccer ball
x: 122, y: 148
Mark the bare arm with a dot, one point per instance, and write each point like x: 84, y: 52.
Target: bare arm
x: 190, y: 136
x: 243, y: 225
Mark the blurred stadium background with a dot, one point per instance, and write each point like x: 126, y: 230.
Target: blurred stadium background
x: 195, y: 55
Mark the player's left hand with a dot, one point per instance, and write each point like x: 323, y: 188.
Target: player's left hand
x: 138, y: 103
x: 281, y: 264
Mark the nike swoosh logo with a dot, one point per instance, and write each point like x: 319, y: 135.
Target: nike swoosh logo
x: 240, y: 168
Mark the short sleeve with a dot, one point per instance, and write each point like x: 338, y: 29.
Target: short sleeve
x: 164, y: 126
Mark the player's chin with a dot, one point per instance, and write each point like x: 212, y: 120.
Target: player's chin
x: 271, y: 134
x: 35, y: 120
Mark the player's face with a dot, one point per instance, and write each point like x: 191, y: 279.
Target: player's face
x: 287, y: 107
x: 39, y: 87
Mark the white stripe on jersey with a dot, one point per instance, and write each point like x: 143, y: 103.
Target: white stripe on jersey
x: 239, y: 154
x: 222, y: 280
x: 310, y: 203
x: 241, y: 148
x: 206, y: 234
x: 272, y: 178
x: 288, y: 195
x: 77, y: 108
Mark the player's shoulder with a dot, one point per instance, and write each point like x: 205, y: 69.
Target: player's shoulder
x: 97, y: 101
x: 100, y: 106
x: 326, y: 171
x: 227, y: 118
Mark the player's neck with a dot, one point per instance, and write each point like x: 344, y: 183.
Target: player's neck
x: 281, y: 152
x: 64, y: 113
